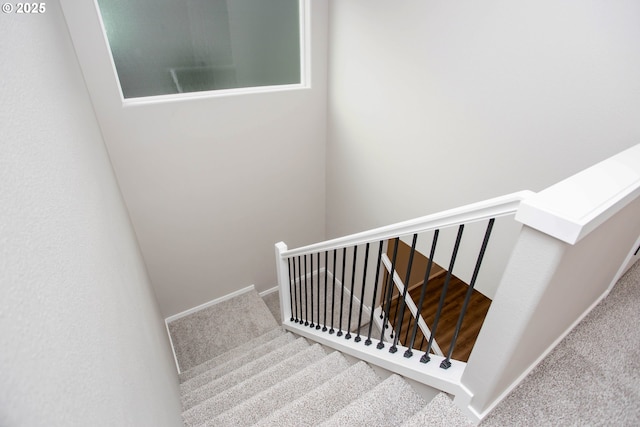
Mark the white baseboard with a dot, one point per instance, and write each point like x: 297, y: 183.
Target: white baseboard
x: 173, y: 350
x: 210, y: 303
x: 268, y: 292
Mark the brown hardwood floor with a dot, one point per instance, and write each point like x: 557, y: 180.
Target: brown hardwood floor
x: 472, y: 321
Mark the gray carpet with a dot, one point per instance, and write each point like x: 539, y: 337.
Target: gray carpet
x: 440, y: 412
x: 388, y: 404
x: 277, y: 380
x: 212, y: 331
x: 322, y: 402
x: 196, y: 395
x: 234, y: 354
x: 272, y: 301
x: 249, y: 356
x: 592, y: 377
x: 283, y: 392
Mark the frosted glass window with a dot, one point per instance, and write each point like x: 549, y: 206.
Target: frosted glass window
x: 162, y: 47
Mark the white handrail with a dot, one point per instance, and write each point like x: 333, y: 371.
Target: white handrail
x: 492, y: 208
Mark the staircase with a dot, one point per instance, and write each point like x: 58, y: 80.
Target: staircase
x: 239, y: 369
x: 277, y: 378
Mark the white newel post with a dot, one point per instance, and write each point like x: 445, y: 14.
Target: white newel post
x: 282, y: 271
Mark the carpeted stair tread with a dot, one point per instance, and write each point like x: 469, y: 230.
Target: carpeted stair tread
x: 322, y: 402
x: 440, y: 412
x: 193, y: 397
x: 214, y: 330
x: 261, y: 405
x: 239, y: 393
x: 233, y: 364
x: 388, y: 404
x: 231, y: 354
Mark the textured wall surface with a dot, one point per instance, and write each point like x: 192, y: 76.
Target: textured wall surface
x: 81, y: 338
x: 433, y: 105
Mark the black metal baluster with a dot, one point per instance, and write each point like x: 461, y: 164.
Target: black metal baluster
x: 390, y: 287
x: 446, y: 364
x: 395, y: 313
x: 290, y: 290
x: 375, y: 291
x: 425, y: 358
x: 385, y: 279
x: 333, y: 292
x: 409, y: 328
x: 306, y: 293
x: 295, y: 292
x: 326, y: 272
x: 423, y: 292
x: 344, y: 260
x: 318, y: 292
x: 299, y: 277
x: 403, y: 303
x: 311, y: 325
x: 351, y: 296
x: 364, y: 280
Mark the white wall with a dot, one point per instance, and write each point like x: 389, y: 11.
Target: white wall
x: 433, y: 105
x: 82, y: 341
x: 212, y: 184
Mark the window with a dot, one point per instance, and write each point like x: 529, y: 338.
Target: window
x: 168, y: 47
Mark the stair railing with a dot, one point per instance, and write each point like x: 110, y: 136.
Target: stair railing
x: 331, y: 291
x: 575, y: 240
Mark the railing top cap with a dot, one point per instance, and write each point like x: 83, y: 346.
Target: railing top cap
x: 572, y: 208
x: 491, y: 208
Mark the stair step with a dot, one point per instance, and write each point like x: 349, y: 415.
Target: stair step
x: 231, y: 354
x: 261, y: 405
x: 389, y: 404
x: 441, y: 411
x: 194, y: 397
x: 249, y: 388
x: 233, y: 364
x: 277, y: 380
x: 216, y: 329
x: 322, y: 402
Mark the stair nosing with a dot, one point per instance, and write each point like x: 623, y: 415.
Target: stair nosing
x: 239, y: 349
x: 223, y: 369
x: 295, y: 347
x: 340, y: 362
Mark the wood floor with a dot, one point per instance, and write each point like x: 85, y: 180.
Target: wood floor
x: 473, y: 319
